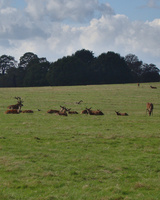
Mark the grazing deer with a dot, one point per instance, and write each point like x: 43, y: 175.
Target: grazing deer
x: 18, y: 105
x: 153, y: 87
x: 97, y: 112
x: 121, y: 114
x: 27, y: 111
x: 71, y: 112
x: 149, y: 108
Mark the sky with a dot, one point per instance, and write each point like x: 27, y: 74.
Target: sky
x: 57, y: 28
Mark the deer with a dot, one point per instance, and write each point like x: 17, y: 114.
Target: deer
x: 18, y: 105
x: 55, y: 111
x: 71, y: 112
x: 153, y: 87
x: 13, y: 111
x: 97, y: 112
x: 63, y: 111
x: 79, y: 102
x: 27, y: 111
x: 121, y: 114
x: 149, y: 108
x: 85, y: 111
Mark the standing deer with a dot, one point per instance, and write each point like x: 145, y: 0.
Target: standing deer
x: 149, y: 108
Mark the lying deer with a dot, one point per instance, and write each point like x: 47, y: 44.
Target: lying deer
x: 121, y: 114
x: 71, y: 112
x: 85, y: 111
x: 96, y: 112
x: 18, y: 105
x: 79, y: 102
x: 63, y: 111
x: 153, y: 87
x: 27, y: 111
x: 55, y: 111
x: 12, y: 111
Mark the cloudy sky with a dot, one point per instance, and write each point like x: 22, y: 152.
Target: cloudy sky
x: 57, y: 28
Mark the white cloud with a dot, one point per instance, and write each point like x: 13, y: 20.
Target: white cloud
x: 59, y: 10
x: 56, y: 28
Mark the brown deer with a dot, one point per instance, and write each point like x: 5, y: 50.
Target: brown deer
x: 85, y: 111
x: 96, y: 112
x: 71, y: 112
x: 121, y: 114
x: 149, y: 108
x: 12, y: 111
x: 63, y: 111
x: 27, y: 111
x: 18, y: 105
x: 56, y: 111
x: 153, y: 87
x: 53, y: 111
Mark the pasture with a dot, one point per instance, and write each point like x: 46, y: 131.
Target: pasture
x: 81, y: 157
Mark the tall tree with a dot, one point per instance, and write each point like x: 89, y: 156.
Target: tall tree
x: 150, y: 73
x: 35, y: 72
x: 26, y: 59
x: 71, y: 70
x: 85, y: 56
x: 7, y: 62
x: 135, y: 66
x: 110, y: 67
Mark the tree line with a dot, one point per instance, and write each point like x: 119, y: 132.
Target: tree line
x: 80, y: 68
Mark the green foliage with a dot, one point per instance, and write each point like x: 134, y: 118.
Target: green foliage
x: 45, y: 156
x: 6, y: 62
x: 111, y: 68
x: 81, y: 68
x: 35, y: 74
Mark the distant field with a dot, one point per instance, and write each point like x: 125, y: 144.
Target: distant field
x: 81, y: 157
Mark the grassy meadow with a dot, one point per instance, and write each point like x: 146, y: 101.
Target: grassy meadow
x: 81, y: 157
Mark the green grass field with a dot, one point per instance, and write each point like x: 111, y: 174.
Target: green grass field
x: 81, y: 157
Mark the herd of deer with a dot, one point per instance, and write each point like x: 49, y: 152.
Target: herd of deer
x: 16, y: 109
x: 65, y: 111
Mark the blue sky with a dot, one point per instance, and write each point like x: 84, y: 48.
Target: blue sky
x: 138, y: 9
x: 57, y: 28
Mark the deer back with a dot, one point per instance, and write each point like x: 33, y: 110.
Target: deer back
x: 12, y: 111
x: 53, y: 111
x: 27, y: 111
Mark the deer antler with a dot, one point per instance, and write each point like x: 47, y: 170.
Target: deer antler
x: 19, y: 100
